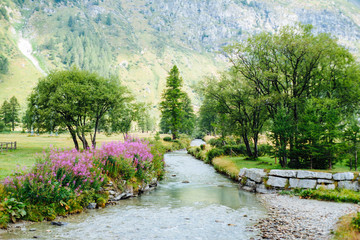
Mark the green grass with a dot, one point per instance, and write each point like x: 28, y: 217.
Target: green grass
x: 28, y: 146
x: 269, y: 163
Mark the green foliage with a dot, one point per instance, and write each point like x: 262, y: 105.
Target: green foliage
x: 85, y: 49
x: 3, y: 13
x: 77, y: 100
x: 177, y: 114
x: 14, y: 209
x: 4, y: 64
x: 9, y: 114
x: 213, y: 153
x: 167, y: 139
x: 303, y: 91
x: 202, y: 146
x: 342, y: 195
x: 157, y: 136
x: 109, y: 20
x: 355, y: 222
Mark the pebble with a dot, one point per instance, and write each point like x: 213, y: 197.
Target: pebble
x: 185, y: 181
x: 290, y: 217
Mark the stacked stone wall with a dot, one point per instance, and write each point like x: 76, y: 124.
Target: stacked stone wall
x: 267, y: 181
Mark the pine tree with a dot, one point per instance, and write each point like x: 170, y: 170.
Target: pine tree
x: 172, y: 104
x: 14, y: 107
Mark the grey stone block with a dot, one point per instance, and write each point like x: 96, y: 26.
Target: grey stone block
x: 260, y: 188
x: 343, y: 176
x: 326, y: 181
x: 302, y: 183
x: 277, y: 182
x: 310, y: 174
x: 329, y: 186
x: 255, y: 174
x: 283, y: 173
x: 349, y: 185
x: 250, y: 183
x: 242, y: 172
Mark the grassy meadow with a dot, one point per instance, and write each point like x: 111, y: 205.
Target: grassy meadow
x: 28, y: 146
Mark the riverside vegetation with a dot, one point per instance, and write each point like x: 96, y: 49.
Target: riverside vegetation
x: 64, y: 182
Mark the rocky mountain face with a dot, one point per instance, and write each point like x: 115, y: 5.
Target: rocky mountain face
x: 140, y: 40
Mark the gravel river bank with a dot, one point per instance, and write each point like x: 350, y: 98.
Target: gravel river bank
x: 290, y: 217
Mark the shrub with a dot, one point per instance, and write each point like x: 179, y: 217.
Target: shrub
x: 264, y: 149
x: 167, y: 139
x: 234, y: 149
x: 217, y: 142
x: 355, y: 222
x: 213, y: 153
x: 157, y: 136
x: 202, y: 146
x: 63, y: 182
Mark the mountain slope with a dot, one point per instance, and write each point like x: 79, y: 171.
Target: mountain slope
x: 140, y: 40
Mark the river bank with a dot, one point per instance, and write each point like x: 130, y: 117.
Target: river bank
x: 290, y: 217
x: 193, y: 201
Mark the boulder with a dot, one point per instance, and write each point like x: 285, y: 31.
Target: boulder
x: 348, y: 185
x: 343, y: 176
x: 111, y: 192
x: 249, y: 189
x: 302, y: 183
x: 260, y: 188
x: 310, y: 174
x: 242, y: 172
x: 329, y: 186
x: 324, y: 175
x: 326, y: 181
x: 91, y: 206
x: 59, y: 223
x: 283, y: 173
x: 277, y: 182
x: 250, y: 183
x: 255, y: 174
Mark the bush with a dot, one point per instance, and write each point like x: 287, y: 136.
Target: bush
x: 217, y: 142
x: 264, y: 149
x: 202, y: 146
x: 167, y: 139
x: 355, y: 222
x: 234, y: 149
x: 213, y: 153
x: 220, y: 142
x: 343, y: 195
x: 157, y: 136
x: 64, y: 182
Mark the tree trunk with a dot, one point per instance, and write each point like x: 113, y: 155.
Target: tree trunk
x: 247, y: 144
x: 73, y: 136
x: 256, y: 146
x: 356, y: 160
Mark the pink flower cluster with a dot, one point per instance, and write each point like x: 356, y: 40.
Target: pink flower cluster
x: 81, y: 170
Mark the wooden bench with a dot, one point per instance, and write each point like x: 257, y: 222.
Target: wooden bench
x: 7, y: 146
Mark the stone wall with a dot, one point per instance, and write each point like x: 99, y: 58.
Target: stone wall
x: 267, y: 181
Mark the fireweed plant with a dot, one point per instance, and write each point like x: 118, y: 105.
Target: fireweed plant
x: 65, y: 181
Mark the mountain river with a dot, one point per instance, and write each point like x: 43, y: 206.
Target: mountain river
x: 192, y: 202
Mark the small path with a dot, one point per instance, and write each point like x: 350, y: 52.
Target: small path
x: 290, y: 217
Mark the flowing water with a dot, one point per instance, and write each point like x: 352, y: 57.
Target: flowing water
x: 193, y: 202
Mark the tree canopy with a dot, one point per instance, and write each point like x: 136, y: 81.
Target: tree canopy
x: 304, y: 85
x: 177, y: 114
x: 77, y: 100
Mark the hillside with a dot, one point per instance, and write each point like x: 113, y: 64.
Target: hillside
x: 140, y: 40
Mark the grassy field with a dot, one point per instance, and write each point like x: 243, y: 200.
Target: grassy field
x: 28, y: 146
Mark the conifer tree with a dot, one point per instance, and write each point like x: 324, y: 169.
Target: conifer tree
x: 173, y: 105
